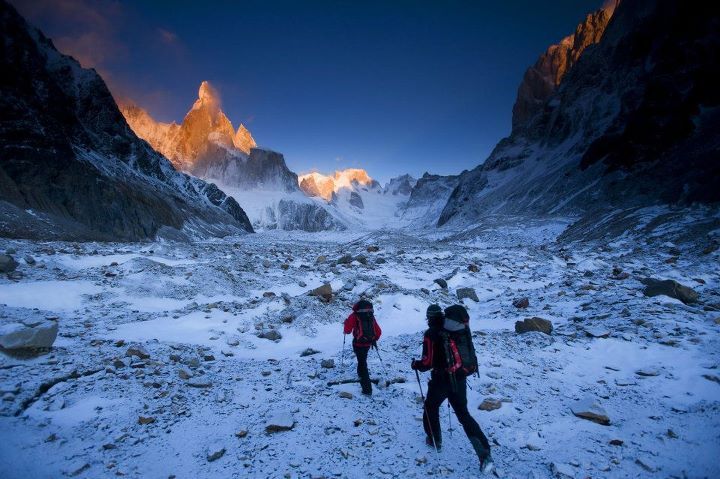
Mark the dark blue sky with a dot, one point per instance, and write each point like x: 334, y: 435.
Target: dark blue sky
x: 393, y: 86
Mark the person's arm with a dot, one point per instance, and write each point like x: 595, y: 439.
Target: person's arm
x: 425, y: 364
x: 378, y: 331
x: 349, y: 324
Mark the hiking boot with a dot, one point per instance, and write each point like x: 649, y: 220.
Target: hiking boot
x: 436, y: 444
x: 367, y: 392
x: 487, y: 465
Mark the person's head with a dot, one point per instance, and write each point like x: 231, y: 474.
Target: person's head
x: 364, y: 308
x: 456, y: 317
x: 435, y: 316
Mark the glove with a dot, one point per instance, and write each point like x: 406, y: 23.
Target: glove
x: 414, y: 365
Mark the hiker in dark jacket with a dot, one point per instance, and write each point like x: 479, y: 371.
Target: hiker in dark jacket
x: 444, y: 356
x: 366, y: 332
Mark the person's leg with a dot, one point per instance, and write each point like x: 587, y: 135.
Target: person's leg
x: 458, y: 401
x: 436, y: 394
x: 362, y: 369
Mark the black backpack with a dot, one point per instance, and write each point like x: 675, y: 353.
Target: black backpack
x: 458, y: 334
x: 367, y: 327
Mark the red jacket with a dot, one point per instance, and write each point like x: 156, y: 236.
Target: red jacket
x: 352, y: 325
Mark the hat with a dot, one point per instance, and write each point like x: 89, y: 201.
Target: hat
x: 363, y: 306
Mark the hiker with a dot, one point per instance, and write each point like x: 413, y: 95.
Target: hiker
x: 448, y: 350
x: 366, y: 332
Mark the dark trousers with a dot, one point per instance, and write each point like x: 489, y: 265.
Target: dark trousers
x: 362, y: 368
x: 440, y: 388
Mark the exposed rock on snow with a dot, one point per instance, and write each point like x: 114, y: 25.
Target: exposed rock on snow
x: 671, y: 288
x: 521, y: 303
x: 137, y: 351
x: 467, y: 293
x: 324, y: 292
x: 327, y: 363
x: 533, y: 324
x: 441, y: 282
x: 490, y: 404
x: 27, y: 333
x: 7, y: 263
x: 279, y: 421
x: 591, y: 410
x: 309, y: 352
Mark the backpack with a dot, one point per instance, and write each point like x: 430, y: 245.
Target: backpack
x: 366, y: 323
x: 459, y: 347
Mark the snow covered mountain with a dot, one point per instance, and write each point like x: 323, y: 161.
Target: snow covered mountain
x: 206, y: 145
x: 352, y: 194
x: 632, y: 122
x: 72, y: 169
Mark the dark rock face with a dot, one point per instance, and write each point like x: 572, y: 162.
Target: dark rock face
x: 356, y: 200
x: 263, y: 169
x: 69, y: 156
x: 643, y: 132
x: 670, y: 288
x: 533, y: 324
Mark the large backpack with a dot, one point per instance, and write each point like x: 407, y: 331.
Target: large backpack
x: 458, y: 339
x: 366, y: 323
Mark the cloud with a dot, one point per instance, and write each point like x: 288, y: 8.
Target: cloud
x: 167, y: 37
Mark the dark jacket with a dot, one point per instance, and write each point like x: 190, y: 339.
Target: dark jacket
x: 434, y: 354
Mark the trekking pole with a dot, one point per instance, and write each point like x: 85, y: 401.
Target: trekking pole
x: 450, y: 428
x: 342, y: 358
x: 425, y: 414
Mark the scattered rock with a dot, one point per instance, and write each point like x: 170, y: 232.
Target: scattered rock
x: 380, y: 260
x: 142, y: 420
x: 345, y: 395
x: 184, y: 374
x: 562, y: 471
x: 597, y: 332
x: 327, y: 363
x: 467, y: 293
x: 199, y: 383
x: 490, y: 404
x: 29, y: 260
x: 266, y: 263
x: 589, y: 409
x: 473, y: 268
x: 324, y: 292
x: 616, y: 442
x: 533, y: 324
x: 241, y: 434
x: 7, y: 263
x: 268, y: 294
x: 76, y: 468
x: 373, y: 249
x: 345, y: 259
x: 521, y: 303
x: 284, y: 266
x: 440, y: 282
x: 711, y: 377
x: 29, y: 334
x: 320, y: 259
x: 279, y: 421
x: 215, y: 453
x: 138, y: 351
x: 232, y: 341
x: 671, y: 288
x: 309, y: 352
x: 648, y: 372
x: 271, y: 334
x: 361, y: 259
x: 11, y: 251
x: 645, y: 465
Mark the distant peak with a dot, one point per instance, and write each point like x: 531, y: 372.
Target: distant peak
x: 207, y: 93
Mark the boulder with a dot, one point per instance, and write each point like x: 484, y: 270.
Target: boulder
x: 373, y: 249
x: 589, y: 409
x: 597, y: 332
x: 327, y: 363
x: 346, y: 395
x: 7, y: 263
x: 533, y: 324
x: 137, y: 351
x: 473, y: 268
x: 490, y: 404
x: 521, y: 303
x: 28, y: 334
x: 29, y: 260
x: 324, y: 292
x: 215, y: 452
x: 271, y: 334
x: 308, y: 352
x: 345, y: 259
x: 467, y: 293
x: 279, y: 421
x: 671, y: 288
x: 441, y: 282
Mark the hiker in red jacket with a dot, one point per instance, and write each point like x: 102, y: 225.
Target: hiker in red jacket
x: 366, y: 331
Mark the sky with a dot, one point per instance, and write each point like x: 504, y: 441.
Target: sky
x: 391, y: 86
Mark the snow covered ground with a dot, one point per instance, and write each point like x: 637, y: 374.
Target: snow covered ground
x: 200, y: 404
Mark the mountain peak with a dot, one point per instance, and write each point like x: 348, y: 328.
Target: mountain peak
x: 208, y: 94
